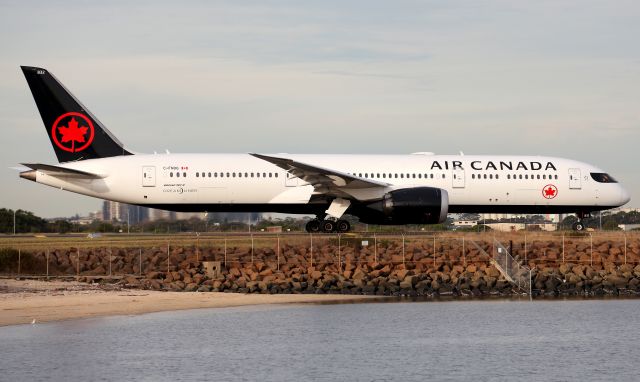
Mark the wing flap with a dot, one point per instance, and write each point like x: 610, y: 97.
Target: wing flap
x: 325, y: 180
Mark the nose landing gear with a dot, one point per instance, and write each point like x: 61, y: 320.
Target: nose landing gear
x: 579, y: 225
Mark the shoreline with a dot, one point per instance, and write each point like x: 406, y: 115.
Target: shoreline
x: 23, y: 301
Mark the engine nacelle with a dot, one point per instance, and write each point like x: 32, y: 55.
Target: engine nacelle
x: 417, y: 205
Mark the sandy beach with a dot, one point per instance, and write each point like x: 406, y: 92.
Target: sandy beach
x: 22, y: 301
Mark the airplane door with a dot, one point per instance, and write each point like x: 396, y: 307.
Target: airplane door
x: 148, y: 176
x: 458, y: 178
x: 575, y: 182
x: 290, y: 180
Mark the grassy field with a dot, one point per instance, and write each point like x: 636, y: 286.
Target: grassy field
x: 262, y: 240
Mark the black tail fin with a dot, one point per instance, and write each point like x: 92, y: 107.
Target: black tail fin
x: 74, y: 132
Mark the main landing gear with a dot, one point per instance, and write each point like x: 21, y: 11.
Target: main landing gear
x: 328, y: 226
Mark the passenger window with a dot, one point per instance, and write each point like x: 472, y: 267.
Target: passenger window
x: 413, y: 176
x: 508, y: 176
x: 264, y: 174
x: 496, y: 176
x: 490, y: 176
x: 520, y: 176
x: 431, y: 176
x: 177, y: 174
x: 276, y: 174
x: 269, y: 175
x: 443, y: 176
x: 526, y: 176
x: 171, y: 174
x: 228, y: 174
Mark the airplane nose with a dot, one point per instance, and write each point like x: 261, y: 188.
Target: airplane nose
x: 624, y: 196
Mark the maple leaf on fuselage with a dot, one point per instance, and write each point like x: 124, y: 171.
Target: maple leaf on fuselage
x: 73, y: 132
x: 549, y: 192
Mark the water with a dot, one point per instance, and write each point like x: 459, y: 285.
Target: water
x: 587, y: 340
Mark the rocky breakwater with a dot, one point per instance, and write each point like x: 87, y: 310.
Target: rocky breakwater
x: 418, y: 268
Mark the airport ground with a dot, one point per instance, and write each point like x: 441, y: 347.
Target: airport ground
x: 47, y: 278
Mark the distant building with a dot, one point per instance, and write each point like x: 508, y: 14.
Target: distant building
x: 465, y: 223
x: 628, y: 227
x: 122, y: 212
x: 511, y: 227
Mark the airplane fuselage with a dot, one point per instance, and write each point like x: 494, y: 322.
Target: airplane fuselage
x: 241, y: 182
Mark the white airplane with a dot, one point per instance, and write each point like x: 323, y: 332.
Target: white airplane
x: 420, y: 188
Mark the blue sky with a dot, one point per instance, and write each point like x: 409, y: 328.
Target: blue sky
x: 558, y: 78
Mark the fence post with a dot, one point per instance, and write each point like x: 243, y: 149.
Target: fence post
x: 278, y: 258
x: 311, y: 249
x: 403, y: 249
x: 168, y: 257
x: 197, y: 249
x: 464, y: 254
x: 625, y: 250
x: 375, y: 248
x: 591, y: 241
x: 47, y: 264
x: 525, y: 248
x: 434, y: 250
x: 140, y: 262
x: 110, y: 258
x: 19, y: 255
x: 563, y: 247
x: 78, y: 262
x: 339, y: 255
x: 251, y: 248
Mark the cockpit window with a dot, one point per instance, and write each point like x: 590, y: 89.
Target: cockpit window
x: 601, y: 177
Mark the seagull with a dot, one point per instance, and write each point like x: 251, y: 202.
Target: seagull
x: 33, y: 322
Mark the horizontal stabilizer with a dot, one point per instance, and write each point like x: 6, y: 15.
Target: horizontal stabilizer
x: 62, y: 171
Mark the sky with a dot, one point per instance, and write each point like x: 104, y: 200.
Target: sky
x: 557, y: 78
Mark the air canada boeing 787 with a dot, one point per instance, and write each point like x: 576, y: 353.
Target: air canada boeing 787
x: 419, y: 188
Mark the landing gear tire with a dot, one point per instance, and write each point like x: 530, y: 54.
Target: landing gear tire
x: 578, y: 226
x: 313, y: 226
x: 343, y: 226
x: 328, y: 226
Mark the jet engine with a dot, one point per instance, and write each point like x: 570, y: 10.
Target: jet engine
x: 416, y: 205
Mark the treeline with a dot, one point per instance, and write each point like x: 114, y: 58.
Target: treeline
x: 27, y: 222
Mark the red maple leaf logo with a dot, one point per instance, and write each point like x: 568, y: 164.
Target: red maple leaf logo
x: 73, y: 133
x: 550, y: 191
x: 79, y: 129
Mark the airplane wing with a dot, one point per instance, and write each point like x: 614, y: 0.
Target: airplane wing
x: 326, y: 181
x: 62, y: 171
